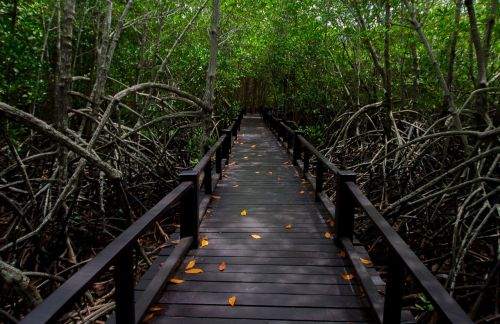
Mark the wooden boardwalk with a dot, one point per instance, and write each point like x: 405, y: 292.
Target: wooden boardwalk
x: 292, y: 273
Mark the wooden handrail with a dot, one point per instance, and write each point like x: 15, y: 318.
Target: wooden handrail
x: 401, y: 256
x: 119, y: 253
x: 56, y: 303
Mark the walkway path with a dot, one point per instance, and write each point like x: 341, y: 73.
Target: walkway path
x: 289, y: 270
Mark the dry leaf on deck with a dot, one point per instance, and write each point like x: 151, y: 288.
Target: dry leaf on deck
x: 236, y: 186
x: 289, y: 226
x: 176, y: 281
x: 204, y: 243
x: 257, y: 172
x: 365, y: 261
x: 302, y: 192
x: 255, y: 236
x: 245, y: 157
x: 342, y: 253
x: 254, y: 146
x: 232, y: 300
x: 270, y: 172
x: 191, y: 264
x: 149, y: 316
x: 155, y: 308
x: 243, y: 212
x: 222, y: 266
x: 216, y: 197
x: 194, y: 271
x: 328, y: 235
x: 347, y: 276
x: 330, y: 222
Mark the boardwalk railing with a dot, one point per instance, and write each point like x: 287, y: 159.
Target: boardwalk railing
x: 120, y: 252
x: 348, y: 196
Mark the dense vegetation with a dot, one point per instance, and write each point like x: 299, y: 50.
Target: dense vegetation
x: 103, y: 102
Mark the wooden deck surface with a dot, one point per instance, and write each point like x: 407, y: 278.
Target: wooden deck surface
x: 290, y: 274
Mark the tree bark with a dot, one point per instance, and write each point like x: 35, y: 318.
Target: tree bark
x: 209, y: 96
x: 452, y: 53
x: 387, y: 68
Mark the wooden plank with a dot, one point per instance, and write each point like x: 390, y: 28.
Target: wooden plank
x: 273, y: 269
x: 272, y: 247
x: 268, y: 313
x: 284, y: 235
x: 267, y: 288
x: 264, y: 254
x: 312, y: 261
x: 265, y: 277
x: 251, y: 299
x: 190, y: 320
x: 260, y: 230
x: 280, y: 240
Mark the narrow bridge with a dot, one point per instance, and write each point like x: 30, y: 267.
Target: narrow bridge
x: 261, y: 242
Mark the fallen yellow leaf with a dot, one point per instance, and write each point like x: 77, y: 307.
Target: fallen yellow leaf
x: 257, y: 172
x: 190, y: 264
x: 232, y: 301
x: 270, y: 172
x: 301, y: 192
x: 347, y: 276
x: 330, y: 222
x: 222, y: 266
x: 302, y: 181
x: 254, y: 146
x: 255, y: 236
x: 328, y: 235
x: 243, y: 212
x: 365, y: 261
x: 236, y: 186
x: 176, y: 281
x: 245, y: 157
x: 289, y: 226
x: 155, y: 308
x: 149, y: 316
x: 204, y: 243
x: 216, y: 197
x: 194, y: 271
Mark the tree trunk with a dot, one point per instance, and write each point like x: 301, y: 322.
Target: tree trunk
x: 482, y: 50
x: 452, y: 53
x: 387, y: 68
x: 62, y: 99
x: 209, y: 96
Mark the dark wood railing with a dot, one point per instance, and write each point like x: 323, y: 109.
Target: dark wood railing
x: 348, y: 195
x: 120, y: 252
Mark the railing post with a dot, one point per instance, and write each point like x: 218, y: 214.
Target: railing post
x: 218, y: 161
x: 344, y: 207
x: 306, y: 162
x: 319, y: 179
x: 297, y: 147
x: 279, y: 128
x: 235, y: 128
x: 208, y: 176
x: 394, y: 289
x: 227, y: 144
x: 189, y: 208
x: 124, y: 287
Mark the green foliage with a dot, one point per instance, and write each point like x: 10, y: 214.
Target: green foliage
x: 424, y: 304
